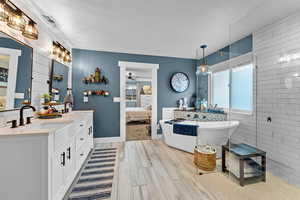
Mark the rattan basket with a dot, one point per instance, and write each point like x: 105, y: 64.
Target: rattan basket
x: 205, y: 157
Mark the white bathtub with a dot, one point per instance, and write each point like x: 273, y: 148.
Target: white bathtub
x: 214, y: 133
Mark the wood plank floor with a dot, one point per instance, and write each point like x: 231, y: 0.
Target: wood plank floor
x: 150, y: 170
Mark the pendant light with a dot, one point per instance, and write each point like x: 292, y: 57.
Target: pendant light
x: 3, y: 11
x: 16, y: 20
x: 31, y: 31
x: 203, y: 68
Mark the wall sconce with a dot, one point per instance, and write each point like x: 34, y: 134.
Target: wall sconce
x: 17, y: 20
x: 60, y: 52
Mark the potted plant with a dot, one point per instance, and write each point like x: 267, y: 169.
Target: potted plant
x: 46, y: 98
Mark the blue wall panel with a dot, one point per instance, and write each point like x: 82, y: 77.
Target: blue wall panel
x: 107, y: 115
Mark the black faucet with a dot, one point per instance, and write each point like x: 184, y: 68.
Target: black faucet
x: 65, y: 103
x: 21, y: 113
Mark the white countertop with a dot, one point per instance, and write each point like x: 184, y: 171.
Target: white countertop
x: 43, y: 126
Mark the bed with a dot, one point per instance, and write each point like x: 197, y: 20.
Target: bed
x: 134, y: 114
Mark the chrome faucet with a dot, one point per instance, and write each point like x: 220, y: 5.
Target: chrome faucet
x: 22, y: 115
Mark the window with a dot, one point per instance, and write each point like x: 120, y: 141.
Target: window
x: 220, y: 92
x: 241, y: 88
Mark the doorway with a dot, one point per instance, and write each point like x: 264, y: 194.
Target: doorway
x: 138, y: 100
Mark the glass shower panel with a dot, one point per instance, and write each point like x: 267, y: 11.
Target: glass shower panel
x: 264, y: 96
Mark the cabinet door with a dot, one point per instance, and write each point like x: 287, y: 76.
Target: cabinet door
x: 58, y: 163
x: 69, y: 169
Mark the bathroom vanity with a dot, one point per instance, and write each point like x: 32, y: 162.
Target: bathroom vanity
x: 39, y: 161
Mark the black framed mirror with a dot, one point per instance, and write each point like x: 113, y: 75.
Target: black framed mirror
x: 58, y: 81
x: 15, y: 73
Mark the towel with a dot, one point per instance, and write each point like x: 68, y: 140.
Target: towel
x: 183, y: 129
x: 172, y: 121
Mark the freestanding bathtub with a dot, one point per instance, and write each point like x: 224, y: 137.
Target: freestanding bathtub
x: 214, y: 133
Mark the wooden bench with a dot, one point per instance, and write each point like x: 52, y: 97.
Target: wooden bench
x: 245, y: 153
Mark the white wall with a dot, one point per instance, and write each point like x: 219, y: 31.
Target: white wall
x: 41, y: 54
x: 278, y: 96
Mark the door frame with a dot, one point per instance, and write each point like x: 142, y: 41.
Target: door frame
x: 123, y: 66
x: 12, y: 75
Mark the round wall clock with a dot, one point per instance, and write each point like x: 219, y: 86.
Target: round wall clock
x: 179, y: 82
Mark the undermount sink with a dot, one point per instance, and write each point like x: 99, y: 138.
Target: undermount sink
x: 49, y: 124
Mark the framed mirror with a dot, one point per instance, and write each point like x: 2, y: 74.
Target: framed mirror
x: 15, y: 73
x: 58, y: 85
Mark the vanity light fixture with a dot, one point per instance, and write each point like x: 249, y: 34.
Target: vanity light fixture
x: 31, y: 31
x: 60, y: 52
x: 203, y: 68
x: 55, y: 49
x: 68, y: 57
x: 4, y: 11
x: 17, y: 20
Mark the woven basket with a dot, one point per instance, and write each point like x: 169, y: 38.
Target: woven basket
x: 205, y: 158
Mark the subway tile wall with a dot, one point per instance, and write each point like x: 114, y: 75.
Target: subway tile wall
x: 278, y: 97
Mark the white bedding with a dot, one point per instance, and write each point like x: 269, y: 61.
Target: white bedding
x: 137, y: 114
x: 136, y: 109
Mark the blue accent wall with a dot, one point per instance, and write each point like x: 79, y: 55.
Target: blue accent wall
x: 237, y: 48
x: 24, y: 67
x: 107, y: 113
x: 60, y: 69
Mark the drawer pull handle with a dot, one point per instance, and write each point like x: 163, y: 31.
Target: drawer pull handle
x: 81, y: 125
x: 90, y: 130
x: 63, y: 159
x: 81, y: 154
x: 81, y: 139
x: 69, y: 153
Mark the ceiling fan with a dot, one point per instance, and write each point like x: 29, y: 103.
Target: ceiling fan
x: 131, y: 76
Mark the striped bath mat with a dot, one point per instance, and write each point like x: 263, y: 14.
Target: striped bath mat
x: 95, y: 180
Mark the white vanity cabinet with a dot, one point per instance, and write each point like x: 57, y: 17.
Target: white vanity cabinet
x: 42, y: 164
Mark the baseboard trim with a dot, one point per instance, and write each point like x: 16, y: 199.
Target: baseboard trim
x: 107, y: 140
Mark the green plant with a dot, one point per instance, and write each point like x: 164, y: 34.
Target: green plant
x: 46, y: 96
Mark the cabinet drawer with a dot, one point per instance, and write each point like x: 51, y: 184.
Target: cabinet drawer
x: 82, y: 154
x: 86, y: 134
x: 80, y: 139
x: 61, y: 137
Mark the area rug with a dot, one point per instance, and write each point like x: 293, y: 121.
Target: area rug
x: 96, y: 176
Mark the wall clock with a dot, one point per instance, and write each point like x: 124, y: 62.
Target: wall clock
x: 179, y: 82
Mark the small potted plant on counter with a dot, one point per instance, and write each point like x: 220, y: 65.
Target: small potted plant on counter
x: 46, y: 98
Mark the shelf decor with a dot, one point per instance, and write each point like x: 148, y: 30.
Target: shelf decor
x: 95, y: 78
x: 96, y: 93
x: 58, y: 77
